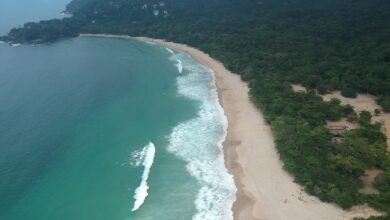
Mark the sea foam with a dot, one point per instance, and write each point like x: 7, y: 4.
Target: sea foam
x: 179, y: 65
x: 170, y: 50
x: 199, y: 143
x: 146, y: 155
x: 175, y: 57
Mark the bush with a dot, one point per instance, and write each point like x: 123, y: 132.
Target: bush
x: 349, y: 92
x: 382, y: 182
x: 385, y: 103
x: 365, y: 118
x: 347, y: 110
x: 322, y: 89
x: 353, y: 117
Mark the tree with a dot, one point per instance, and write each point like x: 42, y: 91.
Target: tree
x: 382, y: 182
x: 353, y: 117
x: 348, y: 92
x: 364, y: 118
x: 385, y: 103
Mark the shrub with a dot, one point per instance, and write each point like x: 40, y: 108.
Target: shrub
x: 349, y: 92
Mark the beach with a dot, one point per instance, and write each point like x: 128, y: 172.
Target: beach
x: 264, y: 189
x: 362, y: 102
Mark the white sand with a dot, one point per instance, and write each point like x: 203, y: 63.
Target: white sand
x: 365, y: 102
x: 265, y: 190
x: 298, y: 88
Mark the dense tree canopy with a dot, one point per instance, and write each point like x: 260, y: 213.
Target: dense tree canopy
x: 325, y: 45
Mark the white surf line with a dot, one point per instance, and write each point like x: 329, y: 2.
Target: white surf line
x: 141, y: 192
x: 179, y: 65
x: 198, y: 142
x: 169, y: 50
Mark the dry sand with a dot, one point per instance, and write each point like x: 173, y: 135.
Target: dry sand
x: 365, y: 102
x: 368, y: 179
x: 298, y: 88
x: 265, y: 189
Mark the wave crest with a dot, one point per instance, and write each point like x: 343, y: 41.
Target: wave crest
x: 170, y: 50
x: 179, y: 66
x: 199, y: 143
x: 147, y: 157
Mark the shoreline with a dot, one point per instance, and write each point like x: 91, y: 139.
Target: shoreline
x: 264, y: 189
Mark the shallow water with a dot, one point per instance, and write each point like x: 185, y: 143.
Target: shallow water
x: 74, y: 115
x: 106, y: 129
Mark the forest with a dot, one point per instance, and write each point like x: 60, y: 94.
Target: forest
x: 325, y: 45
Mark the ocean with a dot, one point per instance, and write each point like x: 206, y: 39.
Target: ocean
x: 98, y: 129
x: 14, y: 13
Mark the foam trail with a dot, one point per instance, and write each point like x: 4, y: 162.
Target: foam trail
x: 15, y: 45
x: 141, y: 192
x: 170, y: 51
x: 176, y: 57
x: 179, y: 65
x: 150, y: 43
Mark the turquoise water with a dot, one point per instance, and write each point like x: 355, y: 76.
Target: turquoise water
x: 80, y: 120
x: 98, y: 129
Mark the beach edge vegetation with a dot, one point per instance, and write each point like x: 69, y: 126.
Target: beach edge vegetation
x: 323, y: 45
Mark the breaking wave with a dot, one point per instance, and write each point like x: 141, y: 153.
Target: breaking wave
x: 199, y: 143
x: 145, y: 157
x: 170, y: 51
x: 179, y: 66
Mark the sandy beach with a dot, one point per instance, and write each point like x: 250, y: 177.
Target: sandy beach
x: 265, y: 189
x: 363, y: 102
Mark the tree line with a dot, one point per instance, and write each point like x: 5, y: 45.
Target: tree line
x: 325, y: 45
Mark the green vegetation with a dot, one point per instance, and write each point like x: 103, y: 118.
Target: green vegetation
x: 44, y: 31
x: 349, y: 92
x: 385, y: 103
x: 325, y: 45
x: 327, y: 169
